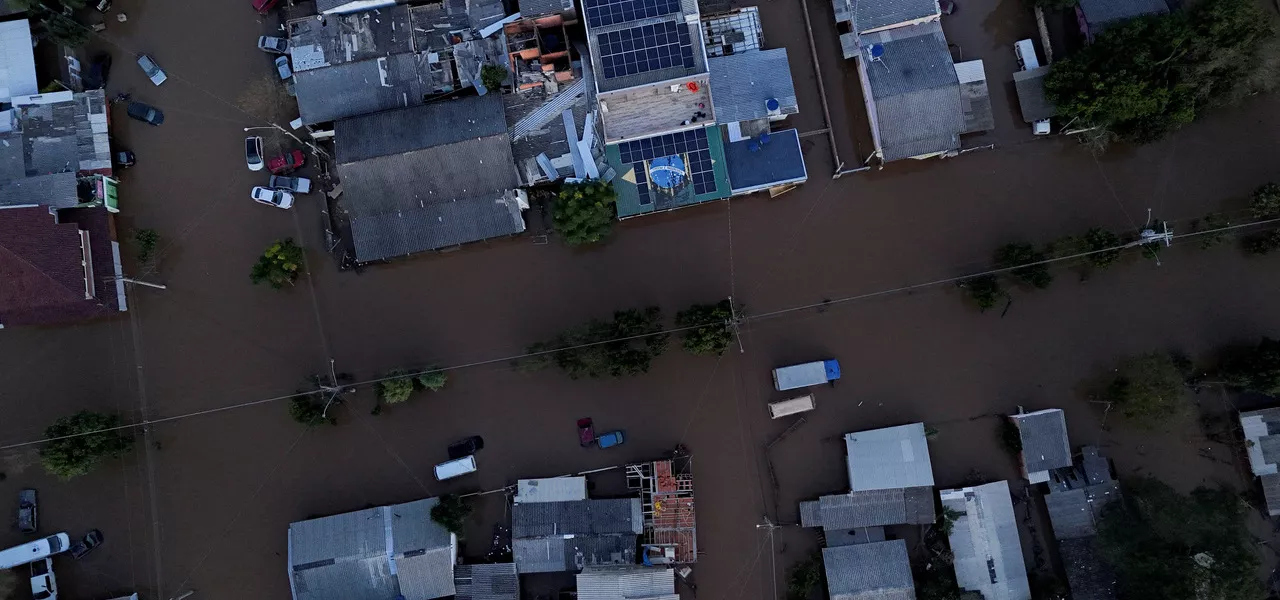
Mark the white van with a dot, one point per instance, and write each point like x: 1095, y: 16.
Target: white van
x: 1025, y: 50
x: 793, y: 406
x: 456, y: 468
x: 43, y: 585
x: 32, y: 551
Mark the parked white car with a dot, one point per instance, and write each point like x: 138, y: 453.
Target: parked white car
x: 253, y: 153
x: 276, y: 198
x: 153, y: 71
x: 43, y: 584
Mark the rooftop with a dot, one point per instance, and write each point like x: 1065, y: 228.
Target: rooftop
x: 655, y: 42
x: 732, y: 32
x: 754, y: 166
x: 486, y: 582
x: 1100, y: 13
x: 1087, y: 576
x: 569, y: 536
x: 428, y: 177
x: 42, y: 262
x: 874, y: 15
x: 1031, y: 98
x: 570, y: 554
x: 17, y: 60
x: 700, y: 153
x: 554, y: 489
x: 742, y: 84
x: 1044, y: 442
x: 654, y: 109
x: 359, y: 88
x: 60, y: 132
x: 914, y: 90
x: 975, y: 99
x: 889, y: 458
x: 372, y: 554
x: 538, y: 8
x: 873, y: 571
x: 1262, y: 436
x: 875, y: 508
x: 985, y: 542
x: 316, y: 42
x: 625, y: 583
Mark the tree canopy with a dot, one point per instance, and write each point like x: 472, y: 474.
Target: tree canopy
x: 278, y: 265
x: 1148, y: 76
x: 624, y: 346
x: 1015, y: 255
x: 451, y: 512
x: 984, y: 290
x: 309, y: 409
x: 712, y: 333
x: 1149, y: 389
x: 1265, y: 202
x: 82, y: 453
x: 584, y: 212
x: 1254, y: 368
x: 1165, y: 545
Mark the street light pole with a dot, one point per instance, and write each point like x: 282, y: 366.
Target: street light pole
x: 314, y: 148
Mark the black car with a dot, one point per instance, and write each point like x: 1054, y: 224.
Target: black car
x: 86, y: 544
x: 146, y: 113
x: 99, y: 70
x: 466, y: 447
x: 124, y: 158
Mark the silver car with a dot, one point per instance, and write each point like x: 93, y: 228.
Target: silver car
x: 282, y: 67
x: 273, y: 45
x: 153, y: 71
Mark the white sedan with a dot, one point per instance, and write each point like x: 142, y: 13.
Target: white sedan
x: 276, y: 198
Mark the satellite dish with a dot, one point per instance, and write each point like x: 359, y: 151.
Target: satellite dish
x: 876, y: 50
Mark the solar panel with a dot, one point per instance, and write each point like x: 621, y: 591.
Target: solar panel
x: 692, y: 145
x: 611, y: 12
x: 643, y: 49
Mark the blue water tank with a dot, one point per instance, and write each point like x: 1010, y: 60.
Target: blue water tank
x: 772, y: 104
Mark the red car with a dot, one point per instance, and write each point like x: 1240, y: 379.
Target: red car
x: 286, y: 162
x: 263, y: 6
x: 586, y: 432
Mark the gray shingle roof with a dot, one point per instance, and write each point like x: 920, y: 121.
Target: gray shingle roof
x: 741, y: 83
x: 1044, y: 440
x: 915, y: 91
x: 621, y: 583
x: 57, y: 190
x: 1104, y: 12
x: 1031, y: 98
x: 778, y: 162
x: 617, y: 515
x: 889, y: 458
x: 357, y: 88
x: 372, y: 554
x: 487, y: 582
x: 873, y: 508
x: 1088, y: 577
x: 985, y: 542
x: 874, y: 14
x: 1097, y: 468
x: 1261, y: 426
x: 874, y: 571
x: 559, y: 553
x: 436, y: 124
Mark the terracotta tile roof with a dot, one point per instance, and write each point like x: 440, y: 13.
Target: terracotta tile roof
x: 40, y: 263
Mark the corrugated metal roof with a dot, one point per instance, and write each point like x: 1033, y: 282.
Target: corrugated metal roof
x: 872, y: 571
x: 616, y: 515
x: 573, y: 553
x: 1106, y: 12
x: 552, y: 489
x: 1044, y: 440
x: 915, y: 90
x: 487, y: 582
x: 419, y: 127
x: 1259, y: 426
x: 889, y: 458
x: 623, y: 583
x: 1032, y: 100
x: 985, y: 542
x: 17, y: 60
x: 741, y: 83
x: 874, y: 14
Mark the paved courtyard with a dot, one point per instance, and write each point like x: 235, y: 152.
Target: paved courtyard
x: 205, y: 504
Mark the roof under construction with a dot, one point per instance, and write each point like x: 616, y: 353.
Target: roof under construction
x: 667, y: 503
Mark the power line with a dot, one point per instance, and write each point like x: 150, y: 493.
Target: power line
x: 745, y: 318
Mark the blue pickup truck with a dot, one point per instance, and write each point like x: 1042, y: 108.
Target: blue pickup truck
x: 806, y: 374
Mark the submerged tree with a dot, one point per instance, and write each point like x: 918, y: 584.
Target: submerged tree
x: 451, y: 512
x: 626, y: 345
x: 1035, y: 272
x: 984, y: 290
x: 712, y: 327
x: 1255, y: 368
x: 584, y: 212
x: 278, y: 265
x: 1149, y: 389
x: 80, y: 442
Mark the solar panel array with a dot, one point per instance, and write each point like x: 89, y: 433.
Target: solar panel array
x: 646, y: 48
x: 692, y: 145
x: 611, y: 12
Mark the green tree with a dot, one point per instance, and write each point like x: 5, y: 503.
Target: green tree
x: 984, y: 290
x: 1016, y: 255
x: 433, y: 380
x: 1149, y: 388
x: 1104, y: 248
x: 1265, y: 203
x: 1254, y: 368
x: 947, y: 519
x: 626, y: 345
x: 492, y: 76
x: 1262, y: 243
x: 805, y: 578
x: 279, y: 264
x: 451, y: 512
x: 147, y: 240
x: 1165, y: 545
x: 584, y: 212
x: 62, y: 29
x: 712, y: 331
x: 1146, y: 77
x: 309, y: 409
x: 398, y: 388
x: 1209, y: 223
x: 73, y: 447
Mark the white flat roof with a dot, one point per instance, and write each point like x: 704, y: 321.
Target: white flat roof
x: 553, y: 489
x: 17, y: 60
x: 889, y: 458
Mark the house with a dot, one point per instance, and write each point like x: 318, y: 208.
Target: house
x: 873, y: 571
x: 1044, y: 442
x: 486, y: 582
x: 553, y: 489
x: 1033, y: 102
x: 891, y: 483
x: 428, y: 177
x: 627, y: 583
x: 1094, y: 16
x: 859, y: 17
x: 372, y: 554
x: 17, y: 60
x: 1261, y: 429
x: 984, y: 539
x: 58, y: 266
x: 750, y: 91
x: 549, y: 537
x: 1077, y: 496
x: 350, y: 64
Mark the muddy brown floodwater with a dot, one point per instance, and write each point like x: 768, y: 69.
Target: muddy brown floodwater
x: 205, y: 505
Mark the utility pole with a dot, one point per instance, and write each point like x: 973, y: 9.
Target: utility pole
x: 139, y: 282
x: 734, y: 321
x: 1149, y: 235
